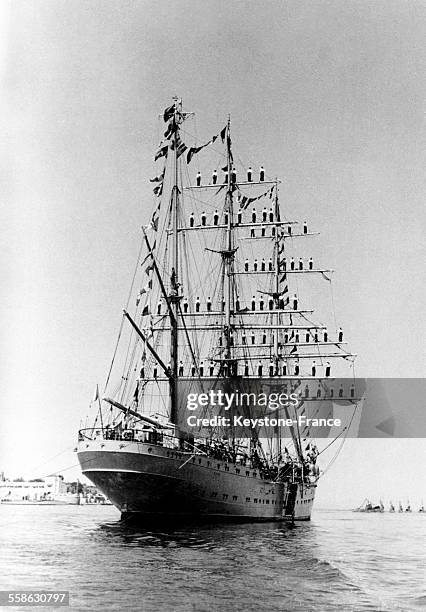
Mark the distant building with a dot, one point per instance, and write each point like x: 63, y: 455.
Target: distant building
x: 50, y: 487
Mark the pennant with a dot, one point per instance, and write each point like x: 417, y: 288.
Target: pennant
x: 150, y: 332
x: 145, y: 310
x: 149, y: 268
x: 158, y: 190
x: 326, y: 277
x: 247, y: 201
x: 171, y: 129
x: 294, y: 349
x: 148, y: 255
x: 96, y: 396
x: 162, y: 152
x: 159, y: 178
x: 169, y: 113
x: 193, y: 150
x: 146, y: 288
x: 136, y: 393
x: 154, y: 219
x: 181, y: 147
x: 223, y: 133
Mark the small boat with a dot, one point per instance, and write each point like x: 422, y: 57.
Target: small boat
x: 367, y: 506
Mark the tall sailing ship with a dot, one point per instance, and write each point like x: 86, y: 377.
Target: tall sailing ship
x: 215, y: 308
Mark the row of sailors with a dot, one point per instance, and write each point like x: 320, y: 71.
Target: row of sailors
x: 261, y: 304
x: 259, y: 370
x: 284, y: 265
x: 256, y: 304
x: 266, y: 216
x: 294, y: 338
x: 233, y: 176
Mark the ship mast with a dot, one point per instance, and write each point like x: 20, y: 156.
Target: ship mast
x: 277, y: 272
x: 277, y: 294
x: 229, y: 251
x: 174, y: 284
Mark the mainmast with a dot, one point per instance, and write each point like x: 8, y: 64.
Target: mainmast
x: 229, y: 251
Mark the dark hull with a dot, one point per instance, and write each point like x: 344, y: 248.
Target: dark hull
x: 156, y: 483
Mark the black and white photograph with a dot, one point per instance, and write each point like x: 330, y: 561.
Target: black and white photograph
x: 213, y: 310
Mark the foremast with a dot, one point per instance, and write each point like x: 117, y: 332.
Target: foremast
x: 174, y: 278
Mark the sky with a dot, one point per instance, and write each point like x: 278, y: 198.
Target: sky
x: 327, y: 95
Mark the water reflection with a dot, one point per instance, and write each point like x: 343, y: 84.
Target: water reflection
x: 205, y: 536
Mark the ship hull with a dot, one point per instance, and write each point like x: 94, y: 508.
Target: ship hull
x: 155, y: 483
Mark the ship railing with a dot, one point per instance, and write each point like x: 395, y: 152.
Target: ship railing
x: 154, y: 437
x: 291, y: 472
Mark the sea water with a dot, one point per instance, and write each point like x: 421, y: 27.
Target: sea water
x: 339, y: 561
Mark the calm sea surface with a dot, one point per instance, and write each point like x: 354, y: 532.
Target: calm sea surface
x: 340, y: 561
